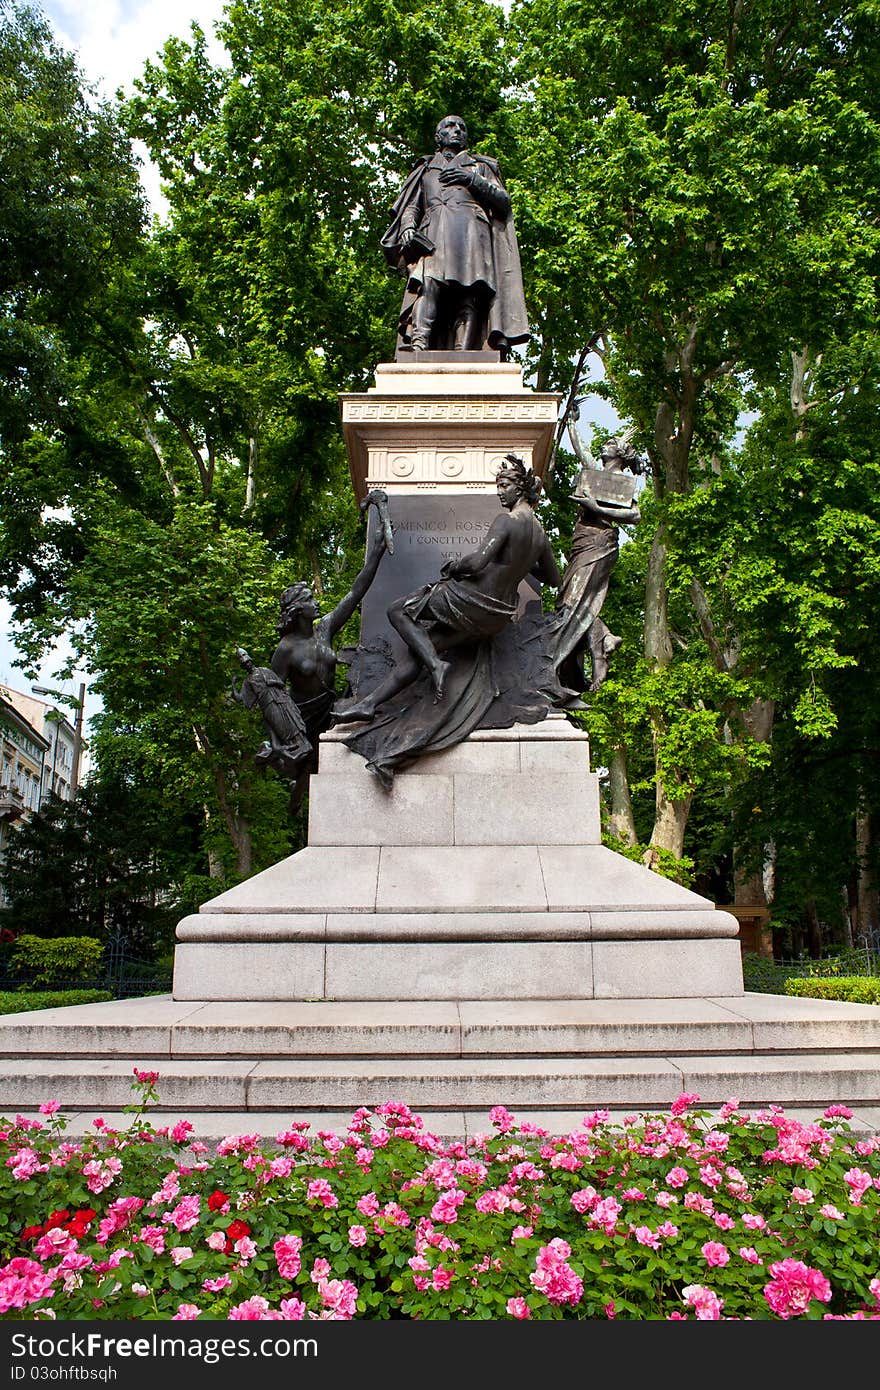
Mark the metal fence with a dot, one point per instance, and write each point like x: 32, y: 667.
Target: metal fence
x: 124, y: 976
x: 856, y: 960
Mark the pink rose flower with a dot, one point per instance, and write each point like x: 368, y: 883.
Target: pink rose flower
x: 584, y: 1199
x: 22, y: 1282
x: 215, y: 1285
x: 793, y: 1286
x: 715, y: 1253
x: 706, y: 1304
x: 750, y: 1254
x: 553, y: 1277
x: 251, y: 1310
x: 518, y: 1308
x: 357, y: 1236
x: 319, y: 1190
x: 339, y: 1297
x: 683, y: 1102
x: 287, y: 1256
x: 185, y: 1215
x: 186, y: 1312
x: 753, y: 1222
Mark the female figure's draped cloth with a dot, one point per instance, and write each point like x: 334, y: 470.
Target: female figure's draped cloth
x: 501, y: 679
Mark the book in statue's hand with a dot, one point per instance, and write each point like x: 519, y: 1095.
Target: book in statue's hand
x: 418, y: 245
x: 609, y: 488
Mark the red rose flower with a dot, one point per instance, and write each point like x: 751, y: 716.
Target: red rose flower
x: 32, y: 1232
x: 217, y: 1200
x: 236, y: 1229
x: 81, y: 1221
x: 57, y: 1218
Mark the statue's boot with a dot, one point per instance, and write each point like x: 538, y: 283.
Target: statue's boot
x: 361, y: 712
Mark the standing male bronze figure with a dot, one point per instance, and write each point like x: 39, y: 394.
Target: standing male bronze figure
x: 452, y: 237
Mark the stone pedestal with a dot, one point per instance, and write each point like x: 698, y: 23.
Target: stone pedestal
x: 432, y: 433
x: 445, y: 426
x: 479, y: 876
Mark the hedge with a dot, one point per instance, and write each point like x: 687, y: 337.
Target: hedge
x: 23, y: 1001
x: 56, y: 960
x: 853, y: 989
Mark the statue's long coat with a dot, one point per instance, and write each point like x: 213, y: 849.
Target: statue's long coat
x: 475, y: 244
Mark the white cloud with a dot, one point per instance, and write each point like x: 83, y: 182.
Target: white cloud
x: 115, y: 37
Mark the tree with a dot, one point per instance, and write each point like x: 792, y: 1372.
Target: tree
x: 71, y: 213
x: 697, y: 185
x: 111, y: 864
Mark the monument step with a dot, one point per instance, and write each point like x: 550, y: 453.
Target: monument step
x: 286, y: 1086
x: 161, y: 1028
x: 213, y: 1125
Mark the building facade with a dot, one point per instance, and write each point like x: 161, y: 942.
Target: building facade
x: 36, y: 760
x: 53, y: 726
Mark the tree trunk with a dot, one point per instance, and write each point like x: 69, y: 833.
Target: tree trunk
x: 622, y: 822
x: 868, y: 899
x: 237, y: 827
x: 251, y: 484
x: 814, y: 928
x: 670, y: 820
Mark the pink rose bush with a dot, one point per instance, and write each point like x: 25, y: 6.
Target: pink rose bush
x: 669, y: 1216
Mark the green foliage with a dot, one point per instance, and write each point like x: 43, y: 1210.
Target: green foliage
x: 763, y: 976
x: 854, y: 989
x: 660, y: 861
x: 774, y: 977
x: 109, y: 863
x: 24, y: 1001
x: 59, y: 961
x: 694, y: 192
x: 71, y: 211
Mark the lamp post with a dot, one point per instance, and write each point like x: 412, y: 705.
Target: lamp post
x: 80, y: 705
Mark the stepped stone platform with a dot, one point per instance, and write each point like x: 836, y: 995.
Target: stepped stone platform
x: 480, y: 875
x: 461, y: 942
x: 233, y: 1067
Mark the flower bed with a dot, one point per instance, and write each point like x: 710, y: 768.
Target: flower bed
x: 667, y: 1216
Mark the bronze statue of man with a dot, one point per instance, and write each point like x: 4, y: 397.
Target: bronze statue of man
x: 452, y: 237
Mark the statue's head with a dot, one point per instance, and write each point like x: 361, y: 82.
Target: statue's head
x: 616, y: 455
x: 517, y: 480
x: 297, y: 601
x: 451, y: 133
